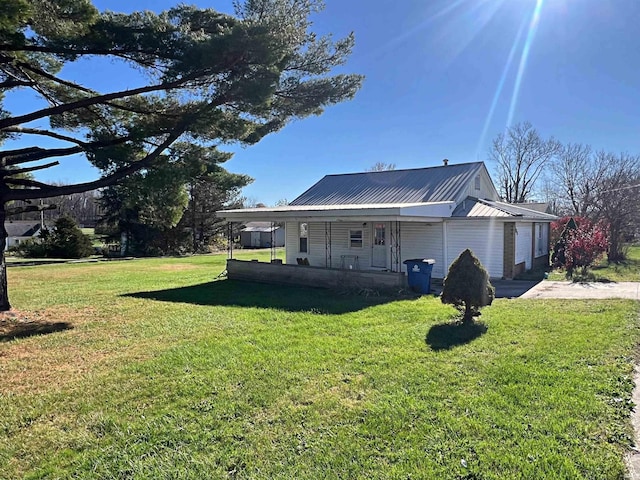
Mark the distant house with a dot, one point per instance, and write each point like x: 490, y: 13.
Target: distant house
x: 262, y: 235
x: 374, y: 221
x: 543, y: 207
x: 21, y: 230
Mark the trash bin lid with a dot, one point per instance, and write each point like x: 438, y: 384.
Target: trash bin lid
x: 430, y: 261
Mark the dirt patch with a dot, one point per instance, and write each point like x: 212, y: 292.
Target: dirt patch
x: 19, y: 324
x: 38, y: 354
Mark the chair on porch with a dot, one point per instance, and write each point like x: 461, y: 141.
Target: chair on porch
x: 349, y: 262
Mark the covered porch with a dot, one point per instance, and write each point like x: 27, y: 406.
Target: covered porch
x: 336, y: 246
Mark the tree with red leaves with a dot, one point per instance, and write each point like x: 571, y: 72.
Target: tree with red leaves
x: 579, y: 244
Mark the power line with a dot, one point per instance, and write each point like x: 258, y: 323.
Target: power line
x: 628, y: 187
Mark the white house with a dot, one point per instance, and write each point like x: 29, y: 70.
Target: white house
x: 19, y: 231
x: 373, y: 221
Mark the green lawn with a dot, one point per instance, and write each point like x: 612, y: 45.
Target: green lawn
x: 627, y: 271
x: 157, y: 370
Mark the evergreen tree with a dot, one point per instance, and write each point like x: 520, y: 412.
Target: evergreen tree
x: 207, y: 79
x: 467, y: 286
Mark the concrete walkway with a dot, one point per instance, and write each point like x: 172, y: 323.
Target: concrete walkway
x: 632, y: 458
x: 596, y: 290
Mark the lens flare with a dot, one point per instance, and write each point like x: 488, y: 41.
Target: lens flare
x: 533, y: 27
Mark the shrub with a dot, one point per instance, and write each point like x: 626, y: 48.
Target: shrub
x: 580, y: 244
x: 31, y: 249
x: 68, y: 241
x: 467, y: 286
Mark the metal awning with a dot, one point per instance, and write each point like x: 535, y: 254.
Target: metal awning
x: 406, y: 212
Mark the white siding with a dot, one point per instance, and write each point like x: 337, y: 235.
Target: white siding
x: 340, y: 243
x: 542, y: 240
x: 317, y: 253
x: 291, y: 242
x: 486, y: 191
x: 524, y: 244
x: 484, y: 238
x: 422, y: 240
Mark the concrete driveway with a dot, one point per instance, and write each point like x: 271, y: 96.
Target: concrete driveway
x: 595, y: 290
x: 549, y: 289
x: 504, y: 288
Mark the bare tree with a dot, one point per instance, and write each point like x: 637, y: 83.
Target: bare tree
x: 381, y: 167
x: 616, y: 198
x: 577, y: 172
x: 521, y: 155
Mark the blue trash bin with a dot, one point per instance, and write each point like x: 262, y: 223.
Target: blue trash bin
x: 419, y: 274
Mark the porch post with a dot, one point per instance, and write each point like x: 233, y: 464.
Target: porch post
x: 271, y: 245
x: 230, y: 240
x: 327, y: 244
x: 399, y: 242
x: 396, y: 254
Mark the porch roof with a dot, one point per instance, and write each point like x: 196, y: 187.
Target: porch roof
x: 479, y: 208
x: 419, y: 212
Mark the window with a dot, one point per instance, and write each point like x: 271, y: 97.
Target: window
x: 303, y: 236
x: 355, y: 238
x: 378, y: 234
x: 477, y: 182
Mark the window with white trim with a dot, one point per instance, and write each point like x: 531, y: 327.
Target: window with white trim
x: 355, y: 238
x: 303, y: 236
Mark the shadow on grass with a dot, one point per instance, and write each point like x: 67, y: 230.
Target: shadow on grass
x: 248, y: 294
x: 448, y: 335
x: 19, y: 329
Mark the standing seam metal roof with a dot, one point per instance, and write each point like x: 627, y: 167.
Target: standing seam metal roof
x: 474, y: 207
x: 432, y: 184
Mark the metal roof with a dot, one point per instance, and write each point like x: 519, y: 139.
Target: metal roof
x: 259, y: 227
x: 21, y: 228
x: 474, y: 207
x: 419, y: 185
x: 405, y: 211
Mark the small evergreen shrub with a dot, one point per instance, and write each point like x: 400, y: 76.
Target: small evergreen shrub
x: 467, y: 286
x: 66, y: 240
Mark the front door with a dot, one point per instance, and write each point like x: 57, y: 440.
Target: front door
x: 379, y: 245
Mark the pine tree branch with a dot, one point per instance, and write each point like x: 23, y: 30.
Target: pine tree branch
x: 53, y: 191
x: 25, y: 182
x: 28, y: 170
x: 33, y: 154
x: 9, y: 211
x: 46, y: 133
x: 87, y: 102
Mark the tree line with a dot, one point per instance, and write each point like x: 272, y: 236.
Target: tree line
x: 573, y: 178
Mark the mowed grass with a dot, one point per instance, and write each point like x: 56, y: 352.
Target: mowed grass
x: 165, y: 372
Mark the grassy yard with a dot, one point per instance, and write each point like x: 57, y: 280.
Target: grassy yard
x: 157, y: 370
x: 628, y: 271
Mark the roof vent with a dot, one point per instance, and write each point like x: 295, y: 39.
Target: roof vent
x: 445, y: 162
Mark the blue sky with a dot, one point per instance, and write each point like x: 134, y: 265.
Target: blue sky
x: 439, y: 84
